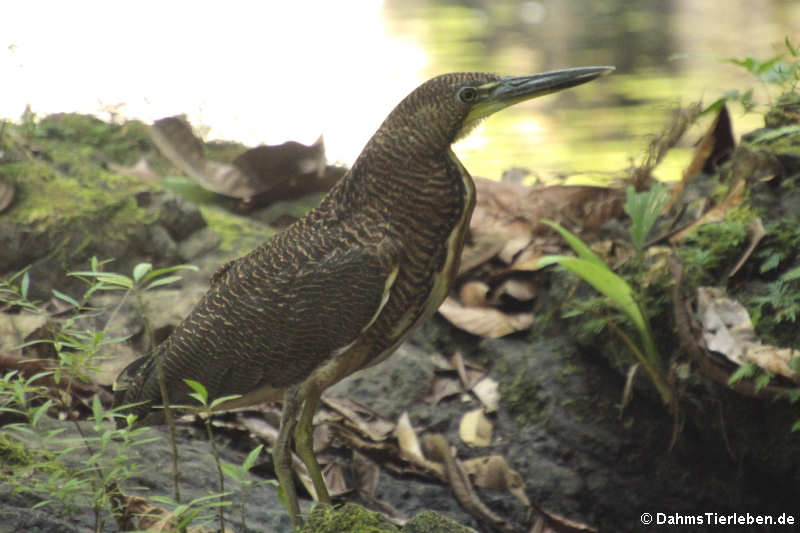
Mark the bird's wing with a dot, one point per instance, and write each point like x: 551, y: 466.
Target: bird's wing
x: 261, y: 325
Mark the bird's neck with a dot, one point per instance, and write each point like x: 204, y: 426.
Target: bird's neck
x: 392, y: 178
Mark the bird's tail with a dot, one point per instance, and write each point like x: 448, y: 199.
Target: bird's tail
x: 128, y: 387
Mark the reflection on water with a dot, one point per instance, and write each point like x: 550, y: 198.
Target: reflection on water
x: 666, y: 52
x: 265, y: 72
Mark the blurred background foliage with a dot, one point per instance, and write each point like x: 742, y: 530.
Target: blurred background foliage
x: 276, y: 70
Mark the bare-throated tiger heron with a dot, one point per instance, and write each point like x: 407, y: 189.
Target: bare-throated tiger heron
x: 342, y: 287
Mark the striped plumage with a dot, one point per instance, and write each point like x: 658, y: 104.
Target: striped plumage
x: 276, y: 314
x: 343, y: 286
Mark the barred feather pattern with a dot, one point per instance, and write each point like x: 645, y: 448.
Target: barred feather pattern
x: 311, y: 293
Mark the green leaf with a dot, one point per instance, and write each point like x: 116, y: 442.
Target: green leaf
x: 251, y: 458
x: 746, y: 370
x: 577, y: 245
x: 223, y: 399
x: 796, y: 426
x: 197, y: 396
x: 792, y: 50
x: 794, y: 363
x: 40, y: 411
x: 97, y: 409
x: 763, y: 380
x: 604, y: 281
x: 110, y: 278
x: 232, y: 471
x: 140, y: 270
x: 66, y: 297
x: 162, y: 281
x: 41, y: 504
x: 199, y: 388
x: 791, y: 274
x: 24, y: 285
x: 169, y: 270
x: 644, y: 208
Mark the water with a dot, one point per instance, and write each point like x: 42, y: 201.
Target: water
x: 271, y: 71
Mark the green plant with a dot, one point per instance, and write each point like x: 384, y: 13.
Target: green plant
x: 775, y: 71
x: 201, y: 395
x: 589, y: 267
x: 643, y: 209
x: 142, y: 279
x: 240, y: 474
x: 90, y: 467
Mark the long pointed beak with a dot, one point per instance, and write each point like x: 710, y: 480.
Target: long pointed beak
x: 512, y: 90
x: 500, y: 94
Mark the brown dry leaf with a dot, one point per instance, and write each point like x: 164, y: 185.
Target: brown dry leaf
x: 488, y: 393
x: 716, y: 213
x: 727, y: 329
x: 475, y: 429
x: 713, y: 147
x: 255, y: 173
x: 334, y: 480
x: 550, y: 522
x: 436, y: 447
x: 513, y: 247
x: 480, y: 249
x: 410, y: 448
x: 366, y: 474
x: 407, y: 438
x: 492, y: 472
x: 441, y: 362
x: 484, y: 321
x: 499, y: 209
x: 468, y: 374
x: 174, y: 138
x: 475, y: 293
x: 757, y: 232
x: 6, y: 195
x: 361, y: 417
x: 521, y: 290
x: 443, y: 387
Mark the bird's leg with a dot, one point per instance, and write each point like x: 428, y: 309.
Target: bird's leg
x: 304, y: 443
x: 282, y: 454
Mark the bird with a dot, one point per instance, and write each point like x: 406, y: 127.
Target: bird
x: 342, y: 287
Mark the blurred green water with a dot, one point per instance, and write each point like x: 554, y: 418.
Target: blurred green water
x: 667, y: 52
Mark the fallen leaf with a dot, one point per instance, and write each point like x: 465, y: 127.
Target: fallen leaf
x: 474, y: 293
x: 484, y: 321
x: 520, y: 290
x: 360, y: 417
x: 436, y: 447
x: 443, y: 387
x: 727, y: 329
x: 480, y: 249
x: 366, y: 474
x: 475, y: 429
x: 712, y: 149
x: 334, y: 480
x: 757, y: 232
x: 716, y: 213
x: 407, y: 438
x: 256, y: 174
x: 492, y: 472
x: 488, y: 393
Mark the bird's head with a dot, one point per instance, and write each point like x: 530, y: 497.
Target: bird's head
x: 447, y: 107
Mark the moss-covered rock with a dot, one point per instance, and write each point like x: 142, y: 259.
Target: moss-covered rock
x: 349, y: 517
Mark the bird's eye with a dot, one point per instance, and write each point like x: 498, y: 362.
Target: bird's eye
x: 467, y: 94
